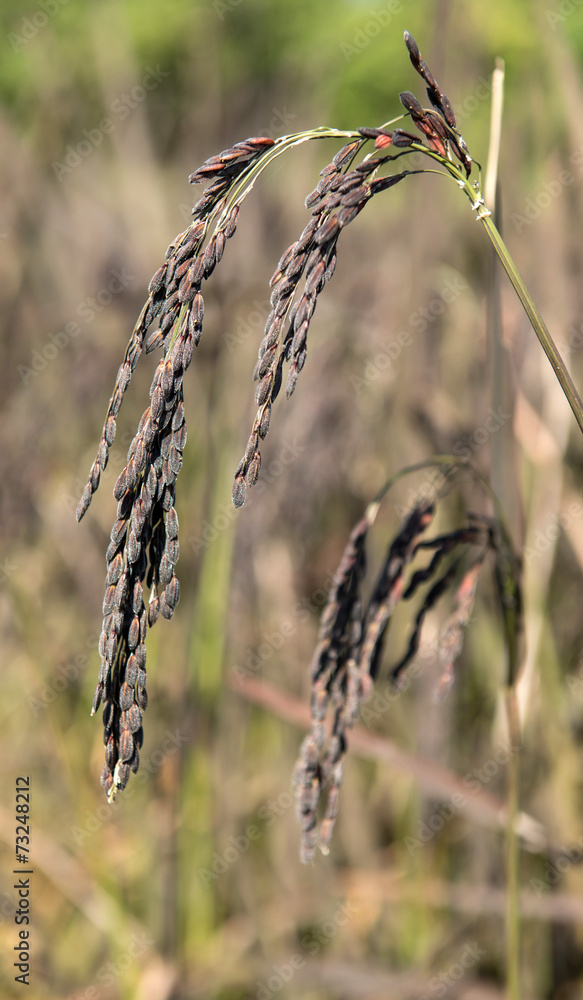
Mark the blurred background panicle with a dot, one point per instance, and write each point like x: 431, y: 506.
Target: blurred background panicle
x: 190, y: 885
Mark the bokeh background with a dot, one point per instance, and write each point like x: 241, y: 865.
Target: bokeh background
x: 190, y: 885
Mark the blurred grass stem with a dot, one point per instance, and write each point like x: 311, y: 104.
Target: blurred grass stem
x: 506, y: 486
x: 512, y: 851
x: 495, y: 134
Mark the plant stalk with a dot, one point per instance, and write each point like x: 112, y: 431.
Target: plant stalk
x: 536, y: 320
x: 512, y: 851
x: 473, y: 191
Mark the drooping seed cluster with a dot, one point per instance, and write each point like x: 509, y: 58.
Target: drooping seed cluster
x: 225, y: 168
x: 144, y: 538
x: 350, y: 642
x: 475, y: 533
x: 439, y: 126
x: 389, y: 586
x: 335, y: 680
x: 174, y: 290
x: 144, y: 543
x: 144, y: 546
x: 339, y: 197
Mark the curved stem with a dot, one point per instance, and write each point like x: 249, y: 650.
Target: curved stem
x: 448, y: 463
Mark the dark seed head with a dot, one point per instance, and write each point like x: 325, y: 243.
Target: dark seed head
x: 410, y: 103
x: 110, y: 753
x: 172, y: 592
x: 134, y: 718
x: 239, y: 491
x: 172, y: 523
x: 126, y: 696
x: 254, y: 467
x: 413, y: 49
x: 126, y: 745
x: 369, y: 133
x: 131, y: 674
x: 153, y: 611
x: 264, y: 421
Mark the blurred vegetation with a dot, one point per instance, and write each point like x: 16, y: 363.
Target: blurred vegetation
x: 134, y: 885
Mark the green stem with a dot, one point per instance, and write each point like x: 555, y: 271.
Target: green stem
x: 474, y: 193
x: 536, y: 320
